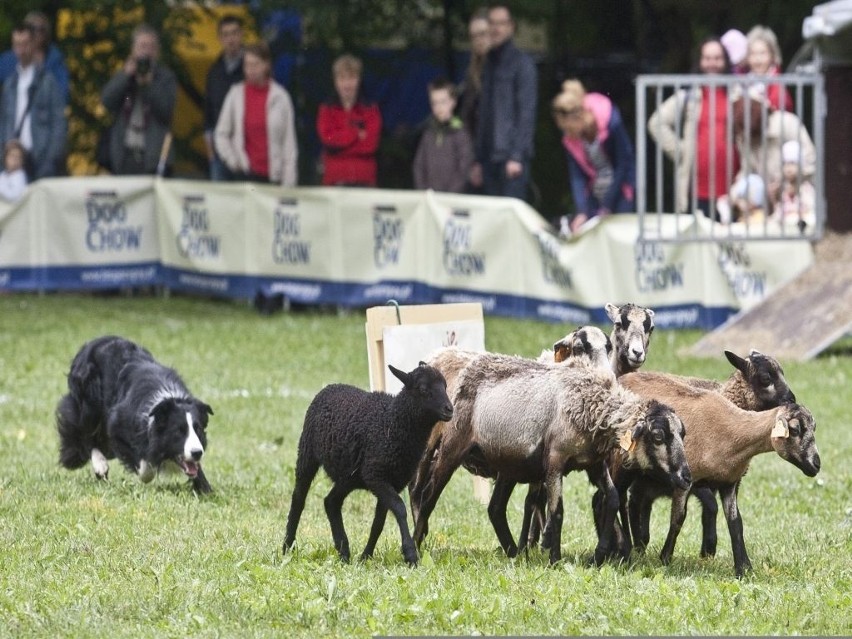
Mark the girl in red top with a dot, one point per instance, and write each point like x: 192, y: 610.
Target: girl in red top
x: 349, y: 129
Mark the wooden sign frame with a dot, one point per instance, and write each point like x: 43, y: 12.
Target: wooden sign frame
x: 378, y: 317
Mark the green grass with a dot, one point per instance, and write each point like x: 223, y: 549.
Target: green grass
x: 85, y: 558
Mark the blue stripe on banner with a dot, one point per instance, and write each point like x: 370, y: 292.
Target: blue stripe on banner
x: 347, y: 294
x: 91, y: 277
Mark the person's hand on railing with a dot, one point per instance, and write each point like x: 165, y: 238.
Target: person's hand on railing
x: 577, y: 221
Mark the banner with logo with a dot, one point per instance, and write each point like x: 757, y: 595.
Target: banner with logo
x: 20, y: 245
x: 203, y: 240
x: 361, y: 247
x: 95, y: 233
x: 292, y: 242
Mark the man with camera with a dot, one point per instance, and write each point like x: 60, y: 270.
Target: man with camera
x: 141, y: 97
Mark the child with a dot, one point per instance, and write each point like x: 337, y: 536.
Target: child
x: 797, y: 199
x: 13, y: 179
x: 748, y: 198
x: 445, y: 153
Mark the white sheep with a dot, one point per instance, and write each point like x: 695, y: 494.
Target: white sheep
x: 534, y: 422
x: 632, y: 326
x: 586, y: 345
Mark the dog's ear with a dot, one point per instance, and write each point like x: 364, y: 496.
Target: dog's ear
x: 205, y: 407
x: 162, y: 409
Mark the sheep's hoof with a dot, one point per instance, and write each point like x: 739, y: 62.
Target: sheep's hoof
x: 365, y: 556
x: 666, y: 557
x: 411, y: 560
x: 708, y: 550
x: 741, y: 570
x: 511, y: 551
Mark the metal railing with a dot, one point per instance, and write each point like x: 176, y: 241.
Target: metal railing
x: 755, y: 203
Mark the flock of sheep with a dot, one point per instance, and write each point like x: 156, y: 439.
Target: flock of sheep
x: 581, y: 406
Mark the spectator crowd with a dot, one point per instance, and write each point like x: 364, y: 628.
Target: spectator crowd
x: 479, y: 137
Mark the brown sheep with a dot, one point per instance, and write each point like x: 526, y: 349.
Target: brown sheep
x: 757, y: 383
x: 721, y: 441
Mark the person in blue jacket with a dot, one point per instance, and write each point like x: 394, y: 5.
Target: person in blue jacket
x: 32, y: 110
x: 601, y: 162
x: 47, y: 54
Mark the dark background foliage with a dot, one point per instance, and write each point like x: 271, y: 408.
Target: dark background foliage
x: 603, y: 42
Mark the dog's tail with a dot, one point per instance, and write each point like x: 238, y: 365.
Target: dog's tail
x: 72, y: 449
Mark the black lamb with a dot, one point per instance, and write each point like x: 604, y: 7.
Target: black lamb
x: 369, y: 440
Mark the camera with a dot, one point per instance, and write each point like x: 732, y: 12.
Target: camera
x: 143, y: 66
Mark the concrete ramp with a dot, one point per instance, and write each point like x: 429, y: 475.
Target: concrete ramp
x: 799, y: 320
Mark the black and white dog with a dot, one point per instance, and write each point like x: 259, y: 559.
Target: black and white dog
x: 122, y: 403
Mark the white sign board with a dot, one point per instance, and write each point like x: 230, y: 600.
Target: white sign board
x: 408, y: 344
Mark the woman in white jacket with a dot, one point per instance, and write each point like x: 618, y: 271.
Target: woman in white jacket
x: 255, y: 134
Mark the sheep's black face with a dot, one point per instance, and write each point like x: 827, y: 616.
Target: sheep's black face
x: 765, y: 377
x: 794, y: 438
x: 661, y: 452
x: 430, y: 388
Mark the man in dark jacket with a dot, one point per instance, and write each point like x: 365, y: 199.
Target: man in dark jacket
x: 226, y: 71
x: 141, y: 97
x: 504, y: 138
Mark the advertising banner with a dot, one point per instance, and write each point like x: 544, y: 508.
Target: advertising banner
x: 292, y: 243
x: 379, y: 245
x: 96, y: 233
x: 362, y: 247
x: 20, y: 246
x: 202, y: 230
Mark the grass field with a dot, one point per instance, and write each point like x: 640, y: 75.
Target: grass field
x: 84, y: 558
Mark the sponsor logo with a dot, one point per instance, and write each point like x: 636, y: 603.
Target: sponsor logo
x: 458, y: 259
x: 195, y: 241
x: 287, y: 245
x: 552, y: 269
x: 389, y: 291
x: 653, y: 272
x: 746, y: 283
x: 676, y: 318
x: 387, y: 236
x: 108, y: 228
x: 297, y: 291
x: 489, y: 302
x: 563, y: 313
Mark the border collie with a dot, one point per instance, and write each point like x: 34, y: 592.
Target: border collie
x: 122, y: 403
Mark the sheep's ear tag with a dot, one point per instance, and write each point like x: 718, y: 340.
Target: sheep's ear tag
x: 780, y: 429
x: 626, y: 441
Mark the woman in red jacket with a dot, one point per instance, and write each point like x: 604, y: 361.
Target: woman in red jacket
x: 349, y: 129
